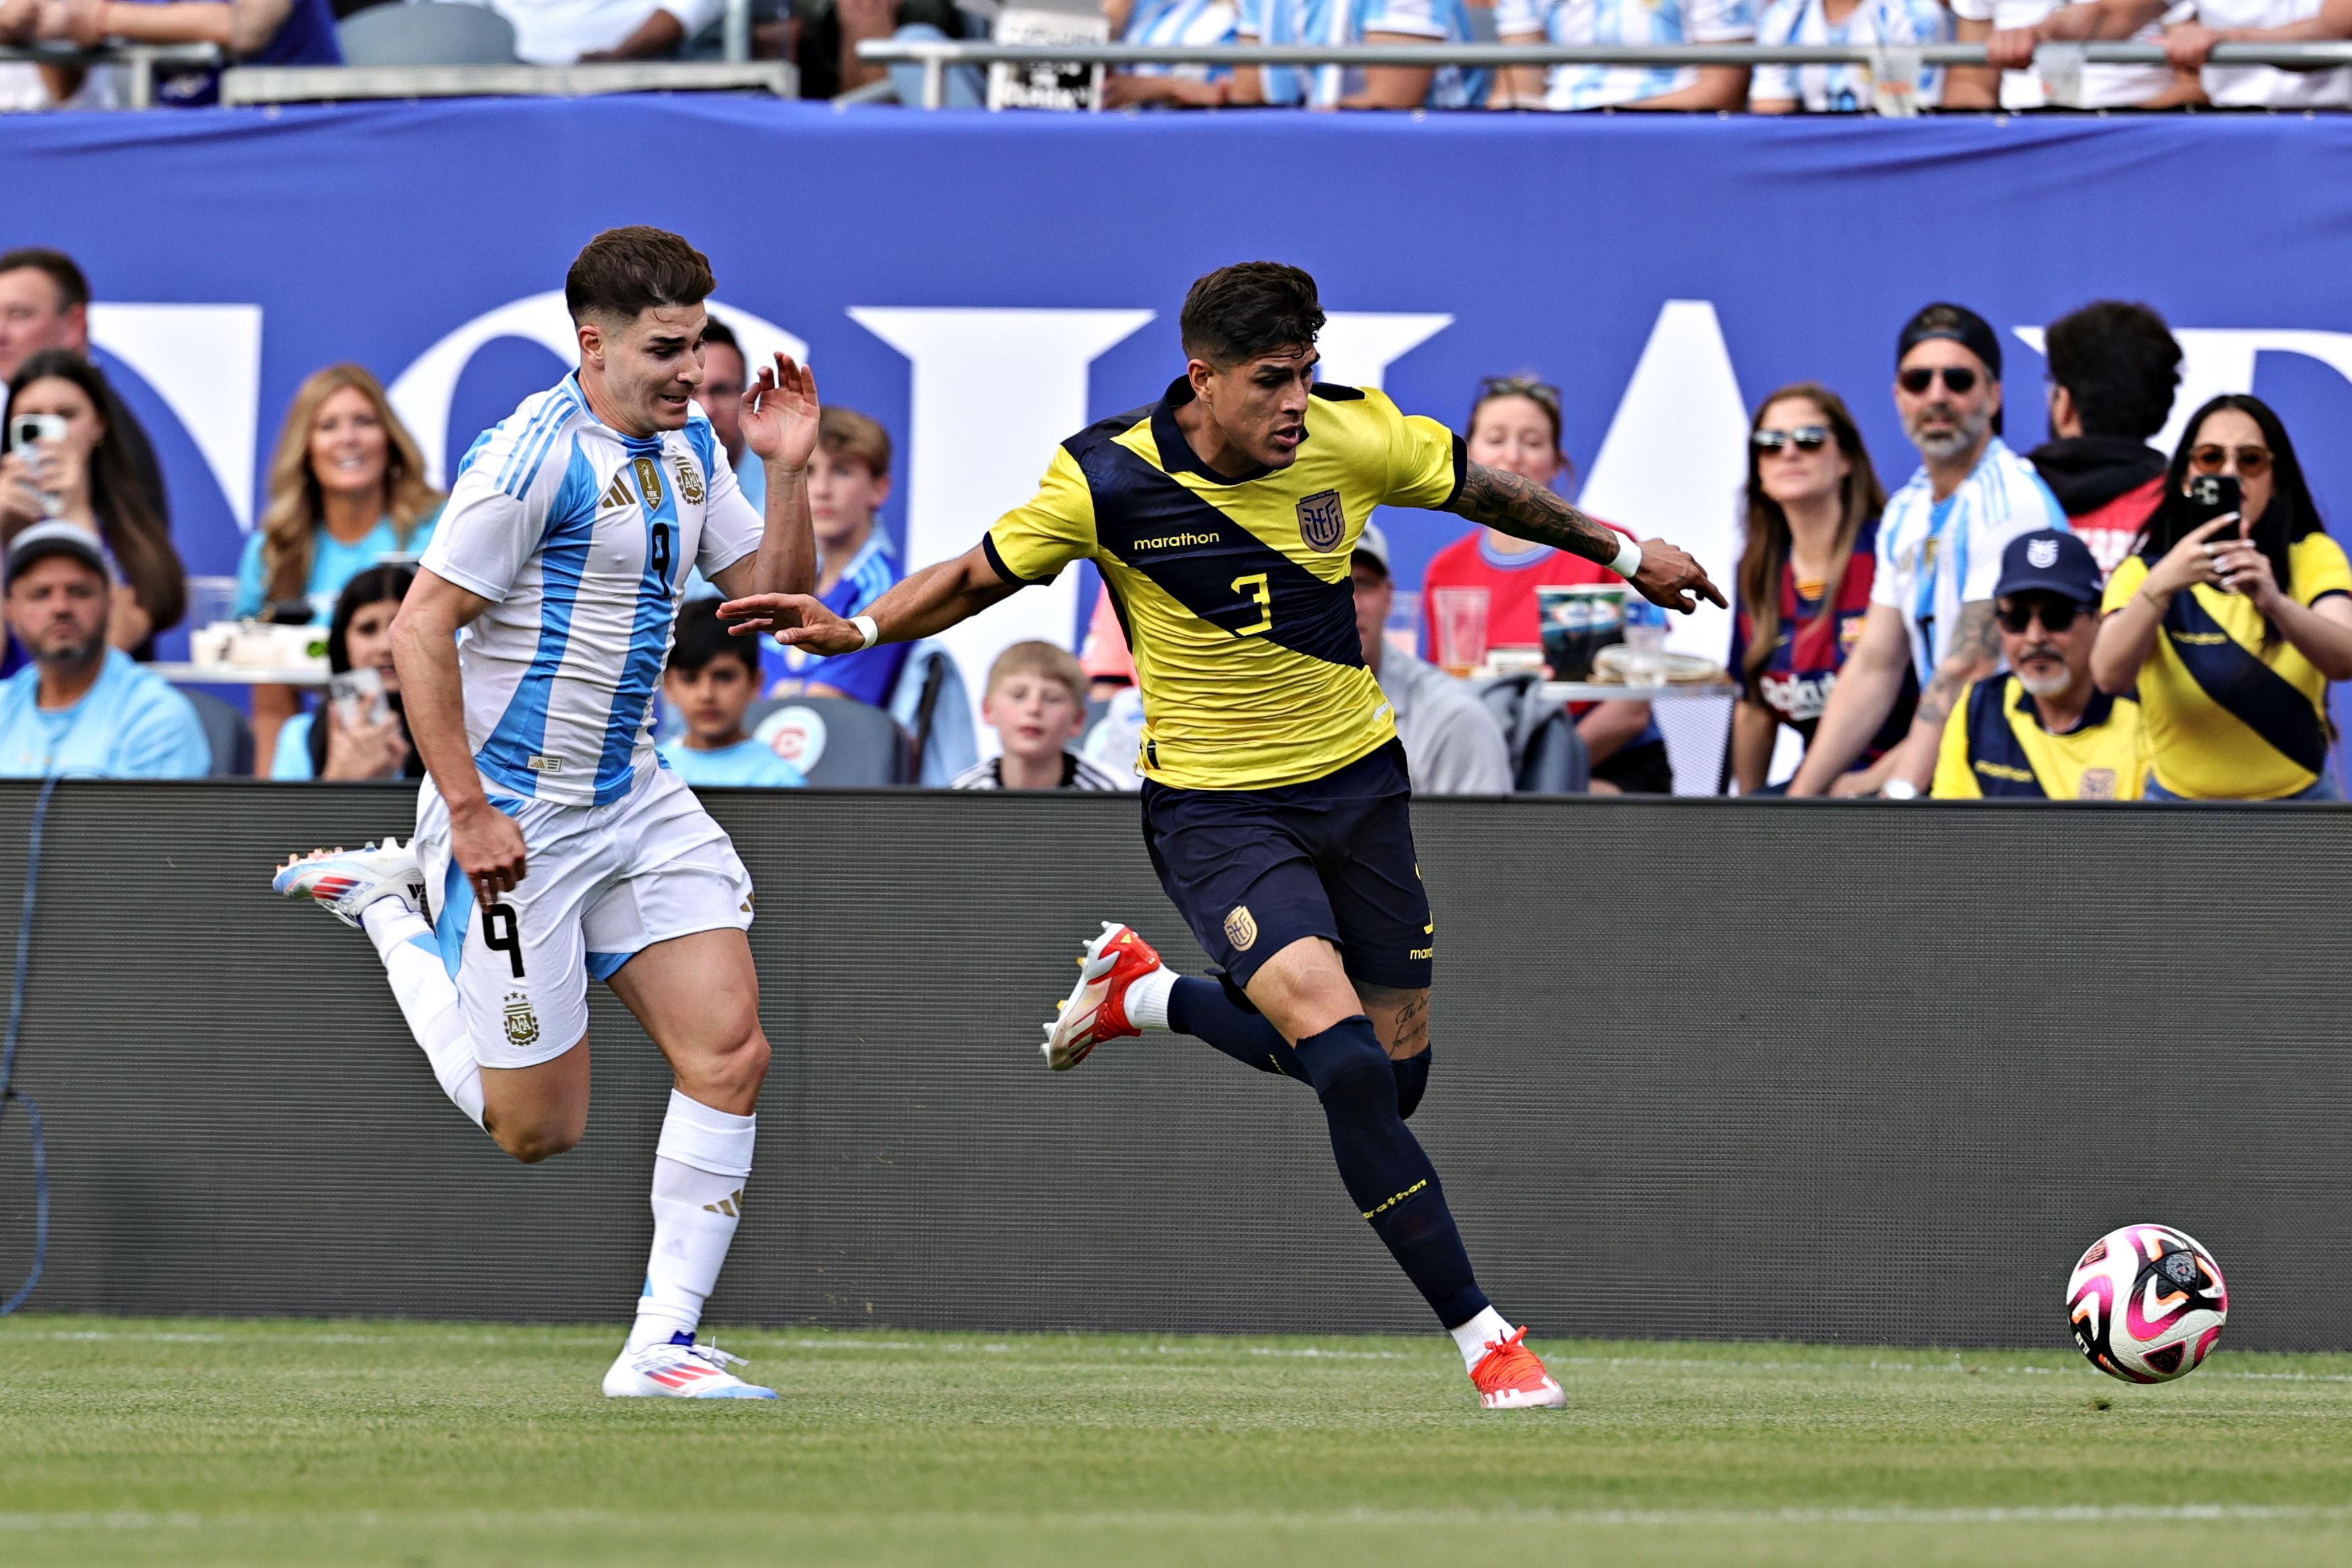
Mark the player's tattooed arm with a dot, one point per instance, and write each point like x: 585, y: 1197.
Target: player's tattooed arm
x: 1525, y: 510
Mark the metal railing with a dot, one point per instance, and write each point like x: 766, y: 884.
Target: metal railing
x: 138, y: 61
x: 1898, y: 63
x: 313, y: 84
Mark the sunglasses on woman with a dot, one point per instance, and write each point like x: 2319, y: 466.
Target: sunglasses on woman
x: 1958, y: 378
x: 1543, y: 392
x: 2251, y: 460
x: 2057, y: 615
x: 1805, y: 437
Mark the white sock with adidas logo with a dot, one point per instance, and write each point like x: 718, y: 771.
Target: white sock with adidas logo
x: 699, y: 1167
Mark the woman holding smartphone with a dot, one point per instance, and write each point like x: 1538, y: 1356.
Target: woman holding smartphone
x: 63, y: 462
x: 360, y: 732
x: 2233, y: 614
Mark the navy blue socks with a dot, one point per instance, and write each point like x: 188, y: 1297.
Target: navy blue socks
x: 1200, y: 1008
x: 1383, y: 1167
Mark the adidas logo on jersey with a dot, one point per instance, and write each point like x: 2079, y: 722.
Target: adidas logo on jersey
x: 619, y: 494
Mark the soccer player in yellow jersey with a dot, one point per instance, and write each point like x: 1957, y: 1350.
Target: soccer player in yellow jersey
x: 1223, y: 519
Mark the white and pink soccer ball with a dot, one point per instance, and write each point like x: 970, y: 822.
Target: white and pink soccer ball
x: 2147, y: 1302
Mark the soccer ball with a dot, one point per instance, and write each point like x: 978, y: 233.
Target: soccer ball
x: 2147, y: 1302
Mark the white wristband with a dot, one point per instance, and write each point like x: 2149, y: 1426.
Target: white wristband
x: 871, y: 631
x: 1628, y: 563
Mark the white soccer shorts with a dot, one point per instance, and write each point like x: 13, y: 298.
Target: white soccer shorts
x: 602, y: 884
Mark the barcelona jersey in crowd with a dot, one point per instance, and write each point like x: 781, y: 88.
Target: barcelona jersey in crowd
x: 1810, y: 646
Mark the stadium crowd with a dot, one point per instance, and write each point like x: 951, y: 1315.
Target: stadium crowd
x: 2092, y: 619
x: 821, y: 37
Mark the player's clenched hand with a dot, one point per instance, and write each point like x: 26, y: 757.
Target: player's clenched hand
x: 780, y: 413
x: 1670, y: 578
x: 488, y: 847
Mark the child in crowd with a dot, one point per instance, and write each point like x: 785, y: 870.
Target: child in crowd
x: 711, y: 679
x: 1037, y: 704
x: 848, y: 481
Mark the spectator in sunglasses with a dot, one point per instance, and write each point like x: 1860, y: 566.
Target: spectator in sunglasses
x: 1939, y: 552
x: 1515, y: 426
x: 2231, y: 627
x: 1813, y: 502
x: 2114, y: 368
x: 2044, y: 731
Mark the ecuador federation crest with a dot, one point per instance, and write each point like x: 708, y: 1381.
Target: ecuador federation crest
x: 1241, y: 929
x: 1322, y: 521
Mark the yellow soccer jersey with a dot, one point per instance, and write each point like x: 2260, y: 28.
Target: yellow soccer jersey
x: 1995, y: 748
x: 2228, y: 719
x: 1234, y: 594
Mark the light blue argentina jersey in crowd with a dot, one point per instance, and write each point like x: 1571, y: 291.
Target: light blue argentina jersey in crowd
x: 1935, y: 556
x: 581, y: 538
x: 1845, y: 89
x: 1347, y: 22
x: 1188, y: 24
x: 1631, y: 22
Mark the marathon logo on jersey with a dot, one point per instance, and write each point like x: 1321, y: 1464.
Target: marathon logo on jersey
x: 543, y: 763
x: 649, y: 474
x: 689, y: 483
x: 1323, y: 521
x: 522, y: 1023
x: 1241, y: 929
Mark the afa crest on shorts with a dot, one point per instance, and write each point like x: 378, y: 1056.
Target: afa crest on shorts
x: 522, y: 1023
x: 1322, y: 521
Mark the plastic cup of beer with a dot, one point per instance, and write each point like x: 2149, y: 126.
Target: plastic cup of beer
x: 1461, y: 618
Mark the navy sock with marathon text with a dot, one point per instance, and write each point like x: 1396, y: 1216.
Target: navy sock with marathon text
x: 1384, y: 1168
x: 1201, y: 1009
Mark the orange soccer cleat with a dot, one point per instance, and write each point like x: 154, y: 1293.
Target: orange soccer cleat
x: 1097, y: 1010
x: 1510, y: 1377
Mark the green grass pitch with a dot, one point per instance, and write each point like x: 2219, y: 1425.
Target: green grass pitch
x: 125, y: 1441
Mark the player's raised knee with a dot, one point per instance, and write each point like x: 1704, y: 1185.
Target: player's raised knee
x: 531, y: 1139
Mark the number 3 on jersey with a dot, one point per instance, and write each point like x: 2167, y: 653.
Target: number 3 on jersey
x: 1254, y: 590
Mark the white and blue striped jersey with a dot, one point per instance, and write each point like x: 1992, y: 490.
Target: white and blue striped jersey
x: 1188, y: 24
x: 1631, y: 22
x: 581, y: 538
x: 1845, y: 89
x: 1347, y: 22
x: 1935, y: 556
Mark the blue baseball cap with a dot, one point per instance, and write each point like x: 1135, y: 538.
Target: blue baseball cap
x: 2049, y: 562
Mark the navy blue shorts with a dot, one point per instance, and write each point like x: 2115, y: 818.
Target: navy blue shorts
x: 1253, y: 870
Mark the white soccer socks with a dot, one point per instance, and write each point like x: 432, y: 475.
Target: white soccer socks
x: 1473, y: 1337
x: 427, y: 998
x: 699, y: 1168
x: 1147, y: 998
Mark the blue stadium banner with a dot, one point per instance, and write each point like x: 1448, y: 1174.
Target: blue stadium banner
x: 986, y: 284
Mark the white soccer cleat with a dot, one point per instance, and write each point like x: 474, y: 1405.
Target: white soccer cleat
x: 679, y: 1369
x: 345, y: 881
x: 1097, y: 1010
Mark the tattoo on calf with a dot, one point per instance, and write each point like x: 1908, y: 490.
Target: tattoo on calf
x: 1525, y: 510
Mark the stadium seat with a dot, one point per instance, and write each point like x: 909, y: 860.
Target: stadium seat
x: 226, y: 731
x: 428, y: 33
x: 835, y: 742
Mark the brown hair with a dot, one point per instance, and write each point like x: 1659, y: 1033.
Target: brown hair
x: 140, y: 540
x: 845, y: 433
x: 293, y: 509
x: 1049, y: 659
x: 623, y: 271
x: 1861, y: 498
x: 73, y: 287
x: 1544, y: 396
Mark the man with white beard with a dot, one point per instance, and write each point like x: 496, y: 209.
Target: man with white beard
x: 1940, y: 552
x: 2045, y: 731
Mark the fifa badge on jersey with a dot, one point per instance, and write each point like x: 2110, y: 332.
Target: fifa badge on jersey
x: 522, y: 1024
x: 1322, y: 521
x: 1241, y: 927
x: 689, y: 483
x: 648, y: 479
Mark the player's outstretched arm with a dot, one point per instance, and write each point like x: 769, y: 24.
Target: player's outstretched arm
x: 1525, y: 510
x: 485, y: 843
x: 925, y: 605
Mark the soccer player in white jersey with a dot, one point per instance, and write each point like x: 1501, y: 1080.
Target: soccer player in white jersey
x: 554, y: 843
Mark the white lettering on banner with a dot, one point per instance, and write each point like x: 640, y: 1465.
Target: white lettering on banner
x: 2217, y: 360
x: 1672, y: 467
x: 992, y: 393
x: 204, y: 363
x: 1359, y: 346
x: 422, y: 393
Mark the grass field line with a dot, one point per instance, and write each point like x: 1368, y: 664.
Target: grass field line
x: 1625, y: 1518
